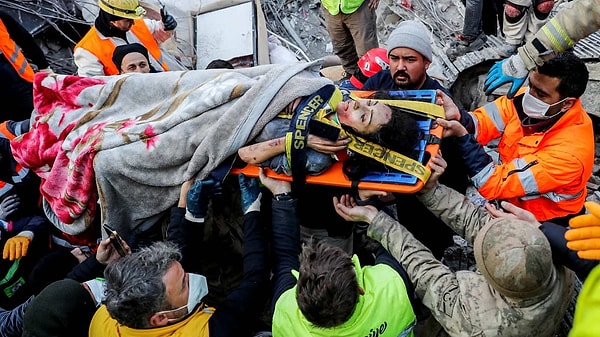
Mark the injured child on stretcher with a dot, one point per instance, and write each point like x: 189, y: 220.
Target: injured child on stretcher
x: 112, y: 144
x: 337, y: 118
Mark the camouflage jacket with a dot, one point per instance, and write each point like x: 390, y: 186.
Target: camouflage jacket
x: 463, y: 302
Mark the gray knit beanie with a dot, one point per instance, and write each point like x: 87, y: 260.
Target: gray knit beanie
x: 411, y: 34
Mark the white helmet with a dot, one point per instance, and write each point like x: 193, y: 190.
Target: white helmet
x: 127, y: 9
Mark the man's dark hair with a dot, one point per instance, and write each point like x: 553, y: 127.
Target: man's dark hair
x: 219, y: 64
x: 400, y: 134
x: 327, y: 290
x: 570, y: 70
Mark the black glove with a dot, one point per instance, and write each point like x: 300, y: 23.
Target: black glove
x: 168, y: 20
x: 8, y: 206
x: 250, y: 192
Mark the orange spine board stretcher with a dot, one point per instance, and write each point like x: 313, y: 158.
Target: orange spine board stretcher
x: 334, y: 175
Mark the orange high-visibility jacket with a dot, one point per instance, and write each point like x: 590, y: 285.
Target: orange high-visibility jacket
x: 103, y: 47
x: 14, y: 55
x: 544, y: 172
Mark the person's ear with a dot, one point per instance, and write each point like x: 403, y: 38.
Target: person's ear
x: 427, y: 63
x: 158, y: 319
x: 568, y: 103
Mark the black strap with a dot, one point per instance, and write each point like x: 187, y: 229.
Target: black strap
x: 299, y: 128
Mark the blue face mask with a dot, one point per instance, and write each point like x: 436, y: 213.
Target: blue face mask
x: 536, y: 108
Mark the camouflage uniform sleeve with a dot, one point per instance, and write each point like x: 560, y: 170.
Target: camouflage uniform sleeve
x: 435, y: 284
x: 455, y: 210
x: 573, y: 22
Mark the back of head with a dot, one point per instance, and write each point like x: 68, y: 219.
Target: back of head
x: 125, y: 9
x: 134, y: 285
x: 327, y: 290
x: 411, y: 34
x: 514, y: 257
x: 219, y: 64
x: 63, y: 309
x: 570, y: 70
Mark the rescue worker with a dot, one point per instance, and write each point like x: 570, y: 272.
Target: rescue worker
x: 522, y: 19
x: 352, y: 27
x: 410, y: 55
x: 517, y: 290
x: 120, y: 22
x: 320, y: 290
x: 573, y: 22
x: 584, y: 237
x: 546, y: 143
x: 369, y: 64
x: 23, y: 228
x: 132, y: 58
x: 16, y: 88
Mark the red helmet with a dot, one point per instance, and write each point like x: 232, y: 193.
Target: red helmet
x: 369, y: 64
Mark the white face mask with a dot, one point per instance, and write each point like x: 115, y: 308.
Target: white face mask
x: 198, y: 288
x: 536, y: 108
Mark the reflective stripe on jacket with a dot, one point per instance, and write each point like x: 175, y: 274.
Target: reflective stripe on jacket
x: 334, y: 7
x: 10, y: 130
x: 14, y: 55
x: 543, y: 172
x: 384, y: 309
x: 103, y: 47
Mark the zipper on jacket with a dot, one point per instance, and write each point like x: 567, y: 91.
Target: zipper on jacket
x: 521, y: 169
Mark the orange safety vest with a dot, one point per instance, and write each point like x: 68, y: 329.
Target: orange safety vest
x: 103, y: 48
x: 543, y: 172
x: 14, y: 55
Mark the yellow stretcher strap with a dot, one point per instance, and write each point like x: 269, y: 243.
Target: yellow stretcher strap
x: 424, y: 109
x: 388, y: 157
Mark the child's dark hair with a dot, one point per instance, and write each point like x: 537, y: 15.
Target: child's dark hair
x: 400, y: 134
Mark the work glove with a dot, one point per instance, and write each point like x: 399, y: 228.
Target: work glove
x: 199, y: 196
x: 8, y: 206
x: 16, y: 247
x: 510, y: 70
x: 250, y: 193
x: 584, y: 235
x: 168, y: 20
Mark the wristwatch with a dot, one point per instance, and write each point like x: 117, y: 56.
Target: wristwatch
x: 283, y: 196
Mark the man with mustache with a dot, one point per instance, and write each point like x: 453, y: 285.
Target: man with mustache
x: 410, y: 54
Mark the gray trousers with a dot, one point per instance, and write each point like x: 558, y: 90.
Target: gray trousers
x: 352, y: 35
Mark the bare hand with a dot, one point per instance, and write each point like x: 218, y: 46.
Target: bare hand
x: 512, y: 212
x: 291, y: 107
x: 327, y: 146
x: 373, y: 4
x: 382, y: 195
x: 452, y: 112
x: 452, y: 128
x: 274, y: 185
x: 106, y: 253
x: 347, y: 208
x: 79, y: 254
x: 438, y: 166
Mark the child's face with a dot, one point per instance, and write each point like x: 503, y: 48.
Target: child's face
x: 364, y: 116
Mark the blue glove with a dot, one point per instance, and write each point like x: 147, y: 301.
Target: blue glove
x: 198, y: 198
x: 250, y: 193
x: 167, y: 19
x: 510, y: 70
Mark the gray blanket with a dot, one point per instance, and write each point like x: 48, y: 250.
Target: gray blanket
x: 146, y: 134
